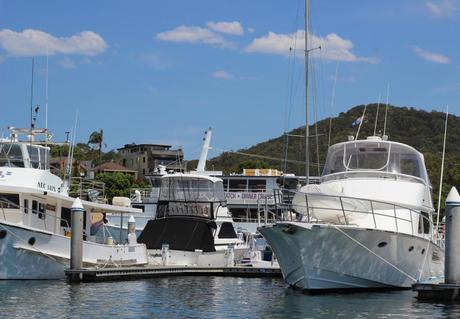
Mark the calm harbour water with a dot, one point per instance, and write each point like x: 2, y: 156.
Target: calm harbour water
x: 204, y: 297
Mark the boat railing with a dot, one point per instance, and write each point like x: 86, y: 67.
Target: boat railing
x: 90, y: 190
x: 371, y: 174
x: 19, y: 209
x: 352, y: 211
x: 145, y: 195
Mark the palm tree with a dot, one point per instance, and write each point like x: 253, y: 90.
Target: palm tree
x: 96, y: 138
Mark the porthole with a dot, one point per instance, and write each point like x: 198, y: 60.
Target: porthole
x: 382, y: 244
x: 423, y: 251
x: 31, y: 241
x: 2, y: 234
x: 411, y: 248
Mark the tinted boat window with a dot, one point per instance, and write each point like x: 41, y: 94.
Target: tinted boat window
x: 227, y: 231
x: 11, y: 155
x: 9, y: 200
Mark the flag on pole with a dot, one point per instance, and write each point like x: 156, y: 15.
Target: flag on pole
x: 357, y: 121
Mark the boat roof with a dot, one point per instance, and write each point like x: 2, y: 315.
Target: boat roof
x: 375, y: 139
x: 192, y: 176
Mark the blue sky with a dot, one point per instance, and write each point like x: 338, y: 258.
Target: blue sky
x: 164, y: 71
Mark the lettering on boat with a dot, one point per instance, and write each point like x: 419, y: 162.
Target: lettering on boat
x: 48, y: 187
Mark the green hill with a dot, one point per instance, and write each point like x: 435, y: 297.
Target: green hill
x: 420, y: 129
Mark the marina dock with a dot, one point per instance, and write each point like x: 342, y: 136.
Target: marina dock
x: 135, y: 273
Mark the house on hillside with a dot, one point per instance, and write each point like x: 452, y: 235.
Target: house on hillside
x: 112, y: 167
x: 145, y: 158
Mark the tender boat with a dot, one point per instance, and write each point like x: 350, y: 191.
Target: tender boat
x: 35, y: 221
x: 367, y: 224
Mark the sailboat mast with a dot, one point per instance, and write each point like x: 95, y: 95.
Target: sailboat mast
x: 307, y: 109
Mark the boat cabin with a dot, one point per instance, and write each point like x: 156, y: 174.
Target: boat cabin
x: 190, y: 195
x: 374, y: 157
x: 23, y: 155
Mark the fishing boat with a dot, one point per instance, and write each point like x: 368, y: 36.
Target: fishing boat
x: 35, y: 215
x: 368, y: 224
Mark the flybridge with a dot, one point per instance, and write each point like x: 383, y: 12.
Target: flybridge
x: 31, y: 135
x: 28, y: 152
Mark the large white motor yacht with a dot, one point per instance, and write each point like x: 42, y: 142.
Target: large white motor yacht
x: 35, y: 221
x: 368, y: 224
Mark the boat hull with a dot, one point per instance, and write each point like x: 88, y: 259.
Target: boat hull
x: 325, y: 256
x: 31, y: 254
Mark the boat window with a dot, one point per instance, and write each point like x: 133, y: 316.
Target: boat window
x: 219, y: 192
x: 257, y: 185
x: 41, y: 211
x: 11, y: 155
x: 9, y: 200
x: 65, y: 217
x: 424, y: 223
x: 190, y: 189
x: 34, y: 156
x: 168, y: 208
x: 227, y: 231
x: 44, y: 158
x: 237, y: 185
x: 365, y: 156
x: 406, y: 161
x: 26, y: 206
x: 34, y: 207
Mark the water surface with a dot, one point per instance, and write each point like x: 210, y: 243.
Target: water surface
x: 204, y: 297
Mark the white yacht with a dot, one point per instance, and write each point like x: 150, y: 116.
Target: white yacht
x: 193, y: 220
x: 368, y: 224
x: 35, y: 221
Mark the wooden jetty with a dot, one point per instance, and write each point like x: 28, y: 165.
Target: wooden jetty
x: 136, y: 273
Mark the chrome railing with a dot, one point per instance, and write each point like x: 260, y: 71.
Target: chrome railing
x: 345, y: 207
x: 91, y: 190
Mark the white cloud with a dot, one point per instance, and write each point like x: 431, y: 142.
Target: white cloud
x: 67, y: 63
x: 431, y: 56
x: 32, y: 42
x: 233, y: 27
x: 193, y: 34
x: 156, y: 61
x: 223, y: 75
x: 333, y: 47
x: 442, y: 8
x: 251, y: 30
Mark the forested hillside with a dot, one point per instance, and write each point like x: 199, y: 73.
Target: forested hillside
x: 420, y: 129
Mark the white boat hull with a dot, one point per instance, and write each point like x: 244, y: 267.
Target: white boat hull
x: 218, y: 258
x: 324, y: 256
x: 31, y: 254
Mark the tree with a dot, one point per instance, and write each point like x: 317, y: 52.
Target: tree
x: 119, y: 184
x: 96, y: 138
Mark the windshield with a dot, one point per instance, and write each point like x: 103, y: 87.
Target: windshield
x: 39, y: 157
x: 378, y: 156
x: 191, y: 190
x: 11, y: 155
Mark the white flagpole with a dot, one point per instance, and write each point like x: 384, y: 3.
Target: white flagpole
x: 442, y: 169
